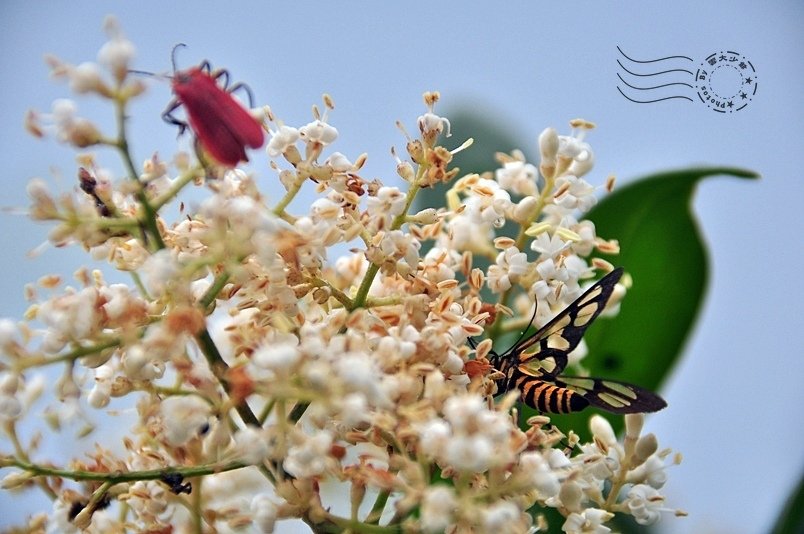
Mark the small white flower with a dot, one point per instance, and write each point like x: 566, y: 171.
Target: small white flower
x: 281, y: 140
x: 309, y: 458
x: 85, y: 78
x: 518, y: 177
x: 184, y: 418
x: 602, y: 430
x: 459, y: 411
x: 354, y: 410
x: 501, y: 517
x: 160, y: 271
x: 117, y: 53
x: 138, y: 365
x: 651, y: 472
x: 645, y: 504
x: 579, y: 195
x: 468, y: 233
x: 264, y: 511
x: 119, y: 301
x: 589, y: 522
x: 510, y: 265
x: 318, y: 132
x: 339, y: 163
x: 438, y: 506
x: 469, y: 453
x: 454, y: 366
x: 548, y: 246
x: 402, y: 249
x: 430, y: 123
x: 433, y: 436
x: 252, y: 445
x: 542, y: 477
x: 389, y: 202
x: 280, y: 357
x: 548, y: 271
x: 325, y: 209
x: 488, y: 203
x: 101, y: 392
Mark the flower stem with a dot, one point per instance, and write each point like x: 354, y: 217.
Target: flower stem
x: 117, y: 476
x: 521, y: 238
x: 220, y: 368
x: 379, y: 505
x: 185, y: 178
x: 279, y: 210
x: 80, y: 352
x: 362, y: 292
x: 213, y: 291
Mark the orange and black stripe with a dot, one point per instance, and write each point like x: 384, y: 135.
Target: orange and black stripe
x: 547, y: 397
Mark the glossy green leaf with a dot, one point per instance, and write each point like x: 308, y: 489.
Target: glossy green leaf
x: 662, y: 250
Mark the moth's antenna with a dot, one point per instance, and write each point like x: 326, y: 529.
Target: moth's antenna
x: 525, y: 330
x: 173, y: 55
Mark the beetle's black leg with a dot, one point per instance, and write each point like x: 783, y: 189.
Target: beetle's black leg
x: 169, y: 118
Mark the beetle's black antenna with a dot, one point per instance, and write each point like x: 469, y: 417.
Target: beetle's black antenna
x: 173, y: 55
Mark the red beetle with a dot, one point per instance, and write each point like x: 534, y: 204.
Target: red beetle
x: 222, y: 125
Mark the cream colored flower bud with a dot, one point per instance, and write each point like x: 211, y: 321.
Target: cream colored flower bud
x: 601, y: 430
x: 633, y: 425
x: 405, y: 170
x: 426, y: 216
x: 524, y: 208
x: 645, y: 447
x: 15, y: 480
x: 570, y: 495
x: 548, y: 144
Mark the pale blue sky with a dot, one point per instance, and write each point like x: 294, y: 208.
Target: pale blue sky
x: 530, y: 65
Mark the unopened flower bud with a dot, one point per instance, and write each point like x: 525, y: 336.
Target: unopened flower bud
x: 524, y: 209
x: 602, y: 431
x: 405, y: 170
x: 548, y: 144
x: 633, y: 425
x: 570, y: 495
x: 16, y: 480
x: 426, y: 216
x: 645, y: 447
x: 85, y: 78
x: 83, y: 134
x: 415, y: 150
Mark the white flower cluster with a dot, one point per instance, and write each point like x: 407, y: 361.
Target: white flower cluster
x: 259, y: 366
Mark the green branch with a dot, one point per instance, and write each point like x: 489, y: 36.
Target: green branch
x: 118, y: 477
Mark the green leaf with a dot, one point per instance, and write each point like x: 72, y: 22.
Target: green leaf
x: 661, y: 248
x: 791, y: 518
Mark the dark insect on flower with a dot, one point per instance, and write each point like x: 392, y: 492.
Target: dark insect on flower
x: 174, y: 482
x: 223, y: 127
x: 78, y: 506
x: 75, y: 509
x: 533, y: 365
x: 89, y: 185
